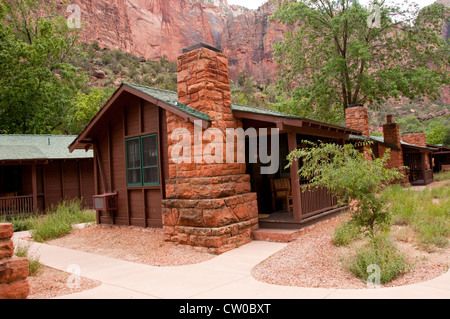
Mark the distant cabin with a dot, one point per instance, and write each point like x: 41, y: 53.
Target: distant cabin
x: 38, y: 171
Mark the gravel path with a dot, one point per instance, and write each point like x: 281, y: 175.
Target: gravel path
x: 141, y: 245
x: 312, y: 260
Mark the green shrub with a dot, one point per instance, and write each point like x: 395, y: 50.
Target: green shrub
x: 345, y: 233
x: 442, y: 176
x: 426, y: 211
x: 35, y: 267
x: 59, y: 222
x: 391, y: 261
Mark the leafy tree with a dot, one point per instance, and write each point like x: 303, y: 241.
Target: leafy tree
x: 86, y: 106
x: 334, y: 56
x: 437, y: 134
x: 347, y: 173
x: 38, y: 85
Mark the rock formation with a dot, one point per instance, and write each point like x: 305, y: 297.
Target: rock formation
x: 157, y: 28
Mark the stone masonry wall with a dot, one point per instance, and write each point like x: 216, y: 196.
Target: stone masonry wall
x: 13, y: 271
x: 207, y: 204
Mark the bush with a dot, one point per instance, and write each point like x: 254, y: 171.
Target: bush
x: 426, y: 212
x: 385, y: 255
x: 345, y: 234
x: 442, y: 176
x: 60, y: 221
x: 34, y: 265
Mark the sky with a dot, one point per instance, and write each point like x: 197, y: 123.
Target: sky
x: 254, y: 4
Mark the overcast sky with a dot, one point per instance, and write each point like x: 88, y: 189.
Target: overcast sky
x: 254, y: 4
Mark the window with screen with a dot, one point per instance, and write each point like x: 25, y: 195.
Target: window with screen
x: 142, y: 160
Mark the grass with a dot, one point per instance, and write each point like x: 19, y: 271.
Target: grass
x: 35, y: 267
x: 442, y: 176
x: 55, y: 223
x: 427, y: 212
x: 386, y: 256
x: 345, y: 233
x: 59, y: 222
x: 425, y: 217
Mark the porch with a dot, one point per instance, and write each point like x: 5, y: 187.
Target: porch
x: 12, y: 205
x: 304, y: 205
x: 315, y: 204
x: 419, y: 163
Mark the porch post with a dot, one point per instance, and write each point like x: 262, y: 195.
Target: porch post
x: 34, y: 187
x: 295, y: 185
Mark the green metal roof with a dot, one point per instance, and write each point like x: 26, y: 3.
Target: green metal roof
x: 380, y: 139
x: 258, y: 110
x: 30, y: 147
x: 168, y: 97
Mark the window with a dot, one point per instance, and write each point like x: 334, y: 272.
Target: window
x: 142, y: 160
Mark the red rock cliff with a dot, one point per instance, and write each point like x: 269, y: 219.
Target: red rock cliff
x: 153, y: 28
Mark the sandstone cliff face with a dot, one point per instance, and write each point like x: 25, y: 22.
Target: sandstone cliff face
x: 154, y: 28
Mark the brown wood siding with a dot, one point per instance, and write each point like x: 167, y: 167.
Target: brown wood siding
x: 52, y: 187
x: 70, y: 178
x: 138, y: 206
x: 87, y: 180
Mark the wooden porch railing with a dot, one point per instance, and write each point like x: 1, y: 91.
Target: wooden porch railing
x: 16, y: 205
x: 421, y: 177
x: 316, y: 200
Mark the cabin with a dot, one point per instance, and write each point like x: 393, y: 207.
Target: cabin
x: 408, y: 150
x: 159, y: 159
x: 38, y: 171
x: 440, y: 158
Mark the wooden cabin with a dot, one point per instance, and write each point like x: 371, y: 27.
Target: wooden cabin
x: 407, y: 150
x: 139, y: 182
x: 440, y: 158
x: 38, y: 171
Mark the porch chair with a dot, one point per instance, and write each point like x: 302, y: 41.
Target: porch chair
x: 281, y: 189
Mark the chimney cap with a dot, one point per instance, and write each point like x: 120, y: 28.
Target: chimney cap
x: 200, y: 45
x: 389, y: 118
x: 355, y: 105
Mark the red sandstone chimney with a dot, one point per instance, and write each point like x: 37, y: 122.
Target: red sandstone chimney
x: 356, y: 117
x: 203, y: 83
x: 418, y: 138
x: 391, y: 132
x: 207, y: 204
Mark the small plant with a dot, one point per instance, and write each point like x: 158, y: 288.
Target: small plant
x: 345, y: 234
x: 385, y: 255
x: 35, y: 267
x: 59, y: 221
x: 442, y: 176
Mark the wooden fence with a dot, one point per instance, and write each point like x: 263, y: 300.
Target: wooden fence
x: 16, y: 205
x: 316, y: 200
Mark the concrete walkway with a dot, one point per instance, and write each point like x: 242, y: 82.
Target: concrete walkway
x: 227, y: 276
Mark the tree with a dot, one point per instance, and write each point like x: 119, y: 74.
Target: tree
x: 38, y: 84
x: 347, y: 173
x: 357, y: 181
x: 86, y: 107
x: 334, y: 56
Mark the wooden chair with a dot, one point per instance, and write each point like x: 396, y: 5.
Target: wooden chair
x: 281, y: 189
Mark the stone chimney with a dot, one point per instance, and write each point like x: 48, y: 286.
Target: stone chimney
x: 391, y: 133
x: 203, y: 83
x: 356, y: 117
x: 418, y: 138
x: 206, y: 204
